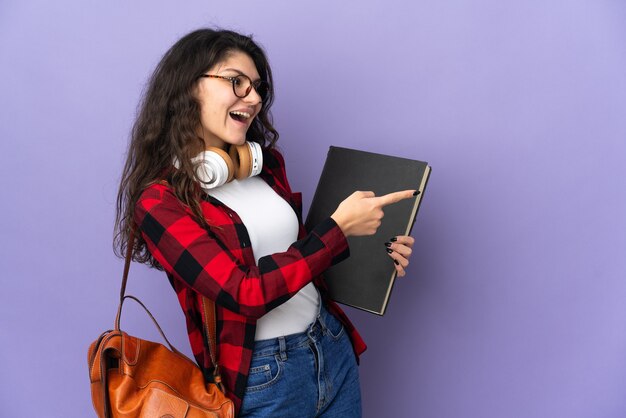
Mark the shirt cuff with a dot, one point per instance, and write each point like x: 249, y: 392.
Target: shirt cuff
x: 333, y: 239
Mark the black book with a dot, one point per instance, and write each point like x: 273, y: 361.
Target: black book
x: 366, y: 278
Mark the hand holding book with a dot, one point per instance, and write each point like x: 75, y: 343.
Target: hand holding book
x: 400, y: 249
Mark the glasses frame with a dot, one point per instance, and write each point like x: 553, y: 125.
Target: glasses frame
x: 253, y: 84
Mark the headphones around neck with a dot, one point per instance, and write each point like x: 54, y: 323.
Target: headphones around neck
x: 215, y: 167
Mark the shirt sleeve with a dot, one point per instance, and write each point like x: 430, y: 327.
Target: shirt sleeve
x: 198, y: 258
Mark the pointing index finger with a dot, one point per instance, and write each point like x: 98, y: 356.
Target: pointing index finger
x: 395, y: 197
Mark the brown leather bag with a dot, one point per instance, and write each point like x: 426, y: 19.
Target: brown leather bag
x: 131, y: 377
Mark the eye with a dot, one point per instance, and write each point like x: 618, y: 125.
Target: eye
x: 237, y: 81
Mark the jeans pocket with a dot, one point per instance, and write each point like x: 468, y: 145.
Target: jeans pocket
x: 264, y: 372
x: 334, y: 327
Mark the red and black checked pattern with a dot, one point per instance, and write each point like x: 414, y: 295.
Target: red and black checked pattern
x: 219, y: 264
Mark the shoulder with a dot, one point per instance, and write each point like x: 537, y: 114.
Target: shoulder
x: 158, y: 196
x: 154, y: 192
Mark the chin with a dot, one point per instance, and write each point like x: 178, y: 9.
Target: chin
x: 240, y: 141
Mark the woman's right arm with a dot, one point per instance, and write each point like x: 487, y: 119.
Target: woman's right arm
x: 191, y: 254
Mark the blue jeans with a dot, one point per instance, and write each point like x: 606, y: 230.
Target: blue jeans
x: 311, y: 374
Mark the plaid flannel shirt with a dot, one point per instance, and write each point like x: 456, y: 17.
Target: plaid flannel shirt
x: 218, y: 263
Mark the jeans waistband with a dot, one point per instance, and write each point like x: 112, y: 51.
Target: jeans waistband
x: 285, y: 343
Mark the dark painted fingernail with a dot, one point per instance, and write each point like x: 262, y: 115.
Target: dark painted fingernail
x: 396, y: 261
x: 394, y: 239
x: 389, y: 250
x: 387, y: 244
x: 415, y: 193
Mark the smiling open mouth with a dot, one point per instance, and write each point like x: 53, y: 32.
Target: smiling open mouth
x: 240, y: 116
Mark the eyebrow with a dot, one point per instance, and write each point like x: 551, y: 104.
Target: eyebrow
x: 240, y: 73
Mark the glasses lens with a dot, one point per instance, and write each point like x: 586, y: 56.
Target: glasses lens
x: 242, y: 85
x: 262, y: 88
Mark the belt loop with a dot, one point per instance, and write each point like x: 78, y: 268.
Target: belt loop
x: 283, y: 348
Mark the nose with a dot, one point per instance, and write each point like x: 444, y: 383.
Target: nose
x: 253, y: 97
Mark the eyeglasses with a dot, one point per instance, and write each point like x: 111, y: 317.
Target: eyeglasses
x: 242, y: 85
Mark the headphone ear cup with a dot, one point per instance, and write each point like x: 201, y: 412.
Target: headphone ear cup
x: 240, y: 155
x: 247, y: 158
x: 256, y: 158
x: 227, y: 160
x: 214, y: 167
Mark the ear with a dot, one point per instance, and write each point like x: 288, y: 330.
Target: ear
x: 196, y: 90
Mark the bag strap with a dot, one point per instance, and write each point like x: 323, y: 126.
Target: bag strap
x: 124, y: 296
x: 207, y: 306
x: 129, y: 252
x: 209, y: 324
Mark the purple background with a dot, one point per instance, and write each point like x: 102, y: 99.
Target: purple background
x: 515, y: 301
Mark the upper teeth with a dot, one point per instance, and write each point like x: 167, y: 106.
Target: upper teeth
x: 242, y: 114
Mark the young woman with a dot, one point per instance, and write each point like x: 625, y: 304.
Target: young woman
x: 284, y: 348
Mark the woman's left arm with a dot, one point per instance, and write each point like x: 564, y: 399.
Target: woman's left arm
x: 399, y: 249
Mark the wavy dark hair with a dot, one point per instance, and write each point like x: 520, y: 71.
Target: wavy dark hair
x: 167, y: 122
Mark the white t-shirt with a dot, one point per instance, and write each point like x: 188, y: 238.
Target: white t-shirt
x: 272, y: 227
